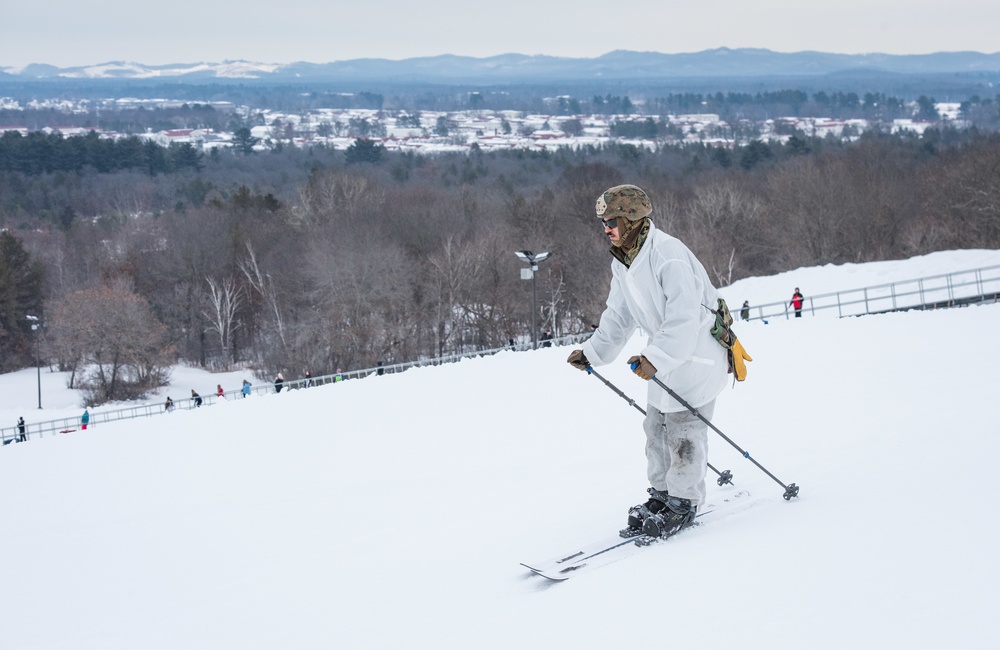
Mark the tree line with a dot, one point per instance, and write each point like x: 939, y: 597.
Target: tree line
x: 318, y: 259
x: 43, y: 153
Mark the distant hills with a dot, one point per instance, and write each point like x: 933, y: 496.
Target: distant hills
x: 518, y: 68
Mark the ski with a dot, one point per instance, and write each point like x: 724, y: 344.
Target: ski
x: 613, y: 548
x: 581, y: 554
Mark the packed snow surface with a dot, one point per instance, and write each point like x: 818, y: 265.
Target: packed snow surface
x: 393, y: 511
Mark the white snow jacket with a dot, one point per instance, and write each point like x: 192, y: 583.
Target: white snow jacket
x: 664, y: 293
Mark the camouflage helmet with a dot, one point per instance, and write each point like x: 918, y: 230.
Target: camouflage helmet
x: 626, y: 201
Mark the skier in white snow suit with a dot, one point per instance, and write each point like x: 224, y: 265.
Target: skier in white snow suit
x: 658, y: 286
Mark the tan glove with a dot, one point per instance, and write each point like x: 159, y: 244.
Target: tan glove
x: 641, y: 366
x: 737, y: 360
x: 578, y: 360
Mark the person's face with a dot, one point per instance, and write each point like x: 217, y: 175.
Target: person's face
x: 611, y: 229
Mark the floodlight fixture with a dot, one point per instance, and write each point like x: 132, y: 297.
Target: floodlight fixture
x: 532, y: 261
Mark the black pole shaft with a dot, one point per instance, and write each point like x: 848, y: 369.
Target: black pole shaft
x: 617, y: 390
x: 727, y: 476
x: 38, y: 367
x: 790, y: 490
x: 534, y: 313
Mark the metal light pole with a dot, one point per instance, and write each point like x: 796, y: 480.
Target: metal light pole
x: 532, y: 261
x: 38, y: 365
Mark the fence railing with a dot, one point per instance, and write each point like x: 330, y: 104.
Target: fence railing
x: 932, y: 292
x: 34, y: 430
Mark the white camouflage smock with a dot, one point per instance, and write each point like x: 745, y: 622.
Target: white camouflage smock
x: 664, y: 293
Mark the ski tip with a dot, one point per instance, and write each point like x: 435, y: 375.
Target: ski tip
x: 553, y: 575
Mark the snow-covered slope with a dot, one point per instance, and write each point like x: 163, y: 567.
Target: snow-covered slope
x: 393, y: 511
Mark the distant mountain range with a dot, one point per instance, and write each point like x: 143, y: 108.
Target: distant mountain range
x: 519, y: 68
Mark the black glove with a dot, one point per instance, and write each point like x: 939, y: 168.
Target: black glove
x: 578, y: 360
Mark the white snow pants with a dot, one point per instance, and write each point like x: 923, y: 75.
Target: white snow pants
x: 677, y: 451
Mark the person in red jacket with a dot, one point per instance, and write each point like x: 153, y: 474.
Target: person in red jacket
x: 796, y: 302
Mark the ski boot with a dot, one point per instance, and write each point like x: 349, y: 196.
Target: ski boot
x: 675, y: 515
x: 637, y: 515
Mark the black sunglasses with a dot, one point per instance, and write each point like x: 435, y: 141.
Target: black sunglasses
x: 610, y: 223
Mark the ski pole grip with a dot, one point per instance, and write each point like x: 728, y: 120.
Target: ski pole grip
x: 634, y: 365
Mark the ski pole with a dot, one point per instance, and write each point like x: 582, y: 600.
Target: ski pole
x: 724, y: 476
x: 791, y: 490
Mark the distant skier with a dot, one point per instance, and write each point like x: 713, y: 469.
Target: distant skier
x: 279, y: 383
x: 796, y: 302
x: 84, y: 419
x: 659, y: 286
x: 21, y: 436
x: 245, y: 391
x: 196, y: 397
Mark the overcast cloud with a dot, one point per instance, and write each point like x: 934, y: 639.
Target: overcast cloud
x: 65, y: 33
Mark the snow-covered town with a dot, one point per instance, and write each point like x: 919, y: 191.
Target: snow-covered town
x: 467, y: 130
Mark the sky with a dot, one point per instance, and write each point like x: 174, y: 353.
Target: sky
x: 395, y: 511
x: 63, y: 33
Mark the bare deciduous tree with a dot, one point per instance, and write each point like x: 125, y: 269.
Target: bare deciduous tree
x: 129, y: 194
x: 962, y: 199
x: 224, y: 301
x: 450, y: 269
x: 263, y: 286
x: 723, y: 224
x: 336, y: 195
x: 112, y: 338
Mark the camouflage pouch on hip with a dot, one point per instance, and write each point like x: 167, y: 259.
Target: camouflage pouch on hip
x: 722, y: 332
x: 722, y: 329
